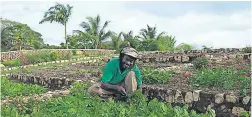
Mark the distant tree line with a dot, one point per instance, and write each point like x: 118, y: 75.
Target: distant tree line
x: 17, y: 36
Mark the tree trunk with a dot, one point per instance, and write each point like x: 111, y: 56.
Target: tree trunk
x: 66, y: 37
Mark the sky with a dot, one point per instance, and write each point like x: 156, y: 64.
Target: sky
x: 213, y: 24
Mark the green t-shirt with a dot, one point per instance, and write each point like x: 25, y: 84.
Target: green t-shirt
x: 113, y: 75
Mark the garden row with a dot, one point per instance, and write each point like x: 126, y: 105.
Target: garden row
x: 197, y: 99
x: 41, y: 58
x: 77, y: 102
x: 83, y: 52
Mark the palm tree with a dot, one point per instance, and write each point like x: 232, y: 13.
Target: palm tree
x: 150, y: 33
x: 93, y: 31
x: 116, y: 40
x: 60, y: 14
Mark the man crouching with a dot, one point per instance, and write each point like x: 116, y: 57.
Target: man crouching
x: 121, y: 76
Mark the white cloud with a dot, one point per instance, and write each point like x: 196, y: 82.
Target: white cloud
x: 220, y: 31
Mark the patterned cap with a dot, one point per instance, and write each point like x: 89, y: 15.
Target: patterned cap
x: 130, y: 51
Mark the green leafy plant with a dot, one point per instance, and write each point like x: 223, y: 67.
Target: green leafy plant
x: 11, y: 89
x: 225, y: 78
x: 200, y: 62
x: 74, y: 52
x: 12, y: 63
x: 79, y: 104
x: 151, y: 76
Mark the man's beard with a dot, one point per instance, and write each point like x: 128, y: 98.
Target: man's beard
x: 124, y: 66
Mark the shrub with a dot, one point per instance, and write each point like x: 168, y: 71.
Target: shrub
x: 12, y: 63
x: 246, y: 49
x: 151, y: 76
x: 225, y: 78
x: 74, y: 52
x: 200, y: 62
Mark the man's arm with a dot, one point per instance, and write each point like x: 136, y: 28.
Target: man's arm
x: 116, y: 88
x: 107, y: 86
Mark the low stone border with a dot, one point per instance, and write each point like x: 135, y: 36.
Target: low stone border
x: 187, y: 58
x: 81, y: 62
x: 51, y: 62
x: 223, y: 103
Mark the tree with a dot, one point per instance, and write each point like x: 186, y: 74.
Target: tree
x: 93, y: 31
x: 130, y: 39
x: 150, y: 33
x: 116, y: 40
x: 184, y: 46
x: 60, y: 14
x: 17, y: 36
x: 166, y: 43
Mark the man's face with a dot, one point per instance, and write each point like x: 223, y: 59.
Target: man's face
x: 127, y: 61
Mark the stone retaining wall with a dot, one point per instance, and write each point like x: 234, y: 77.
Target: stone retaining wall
x: 187, y: 58
x: 225, y: 105
x: 16, y: 54
x: 58, y: 61
x: 218, y: 51
x: 54, y: 82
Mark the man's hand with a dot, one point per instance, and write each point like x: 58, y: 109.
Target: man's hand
x: 121, y: 90
x: 116, y: 88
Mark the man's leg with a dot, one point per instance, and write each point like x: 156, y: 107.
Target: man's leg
x: 96, y: 90
x: 130, y: 83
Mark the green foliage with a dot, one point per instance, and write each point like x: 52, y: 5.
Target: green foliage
x: 184, y: 46
x: 150, y: 33
x: 74, y: 52
x: 12, y: 63
x: 247, y: 49
x: 151, y: 76
x: 93, y: 31
x: 80, y: 104
x: 148, y: 45
x: 11, y: 89
x: 200, y: 62
x: 60, y: 14
x: 47, y: 56
x: 16, y: 36
x: 166, y: 43
x: 225, y: 78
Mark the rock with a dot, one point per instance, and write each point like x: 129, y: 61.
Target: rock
x: 178, y: 97
x: 231, y: 98
x: 25, y: 100
x: 238, y: 110
x: 245, y: 100
x: 196, y: 94
x: 65, y: 92
x: 219, y: 98
x: 188, y: 97
x: 185, y: 59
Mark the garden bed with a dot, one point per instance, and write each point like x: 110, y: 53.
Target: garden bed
x: 162, y: 81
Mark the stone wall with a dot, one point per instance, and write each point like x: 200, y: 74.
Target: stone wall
x: 188, y: 58
x: 16, y: 54
x: 225, y: 104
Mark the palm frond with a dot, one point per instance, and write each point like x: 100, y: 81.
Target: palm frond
x: 161, y: 34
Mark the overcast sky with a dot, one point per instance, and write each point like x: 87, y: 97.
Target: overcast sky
x: 216, y: 24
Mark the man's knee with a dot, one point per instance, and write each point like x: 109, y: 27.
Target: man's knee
x: 93, y: 90
x: 131, y: 74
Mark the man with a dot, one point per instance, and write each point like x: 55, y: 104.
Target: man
x: 121, y: 76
